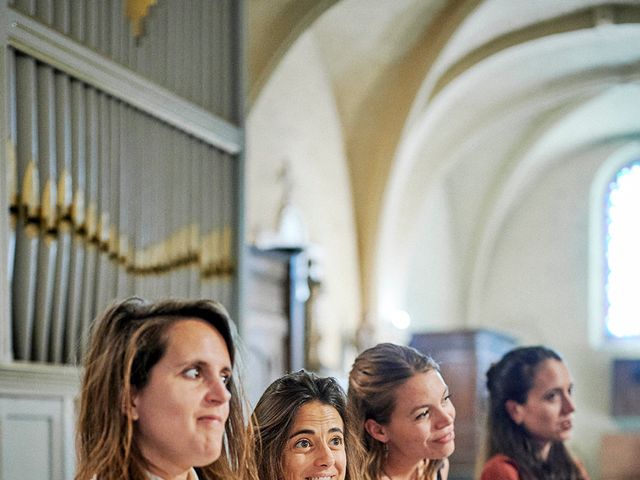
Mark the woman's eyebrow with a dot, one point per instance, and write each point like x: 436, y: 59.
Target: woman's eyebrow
x: 196, y: 362
x: 554, y: 390
x: 419, y: 407
x: 191, y: 362
x: 305, y: 431
x: 308, y: 431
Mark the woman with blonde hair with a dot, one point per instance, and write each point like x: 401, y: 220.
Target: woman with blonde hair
x: 160, y: 398
x: 404, y: 415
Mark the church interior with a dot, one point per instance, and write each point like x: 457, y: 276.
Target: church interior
x: 337, y: 173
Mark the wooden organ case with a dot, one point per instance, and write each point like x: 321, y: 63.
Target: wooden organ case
x: 464, y: 357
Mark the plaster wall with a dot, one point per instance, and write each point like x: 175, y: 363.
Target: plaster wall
x: 295, y: 120
x: 432, y: 287
x: 537, y: 286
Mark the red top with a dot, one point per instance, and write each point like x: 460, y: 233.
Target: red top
x: 501, y: 467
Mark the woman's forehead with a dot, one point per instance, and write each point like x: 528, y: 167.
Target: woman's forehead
x: 424, y: 386
x: 551, y: 371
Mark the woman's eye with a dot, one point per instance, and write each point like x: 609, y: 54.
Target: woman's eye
x: 304, y: 443
x: 336, y: 441
x: 193, y: 373
x: 446, y: 399
x: 423, y: 415
x: 226, y: 378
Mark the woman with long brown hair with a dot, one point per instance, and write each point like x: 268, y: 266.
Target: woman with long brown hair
x: 160, y: 397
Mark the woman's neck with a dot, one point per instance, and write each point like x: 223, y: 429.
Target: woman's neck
x: 164, y: 476
x: 543, y: 452
x: 396, y: 468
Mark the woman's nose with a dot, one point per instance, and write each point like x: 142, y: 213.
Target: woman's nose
x: 445, y: 416
x: 325, y: 457
x: 217, y: 391
x: 567, y: 404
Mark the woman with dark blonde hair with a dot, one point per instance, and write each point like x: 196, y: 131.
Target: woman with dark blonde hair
x: 159, y: 396
x: 403, y: 413
x: 302, y: 430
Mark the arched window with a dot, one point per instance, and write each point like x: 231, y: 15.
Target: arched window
x: 615, y: 251
x: 622, y: 253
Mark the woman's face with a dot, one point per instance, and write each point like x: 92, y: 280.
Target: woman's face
x: 548, y: 412
x: 181, y: 413
x: 315, y: 447
x: 421, y: 425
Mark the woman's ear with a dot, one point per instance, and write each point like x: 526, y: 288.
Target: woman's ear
x: 133, y: 408
x: 515, y: 411
x: 376, y: 430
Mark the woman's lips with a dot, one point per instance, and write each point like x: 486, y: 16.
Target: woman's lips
x: 210, y: 419
x: 446, y: 438
x: 566, y: 425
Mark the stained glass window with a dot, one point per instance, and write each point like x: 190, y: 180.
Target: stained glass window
x: 622, y: 248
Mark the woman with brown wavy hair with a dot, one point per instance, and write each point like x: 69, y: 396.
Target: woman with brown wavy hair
x: 404, y: 415
x: 302, y: 430
x: 159, y: 396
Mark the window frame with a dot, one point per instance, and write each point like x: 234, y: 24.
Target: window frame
x: 624, y: 156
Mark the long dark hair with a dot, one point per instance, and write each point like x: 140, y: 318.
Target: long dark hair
x: 511, y: 379
x: 275, y: 414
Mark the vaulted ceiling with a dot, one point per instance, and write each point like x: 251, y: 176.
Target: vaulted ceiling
x: 428, y: 88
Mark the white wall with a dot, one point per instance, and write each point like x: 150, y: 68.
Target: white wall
x: 537, y: 286
x: 295, y: 119
x: 432, y: 288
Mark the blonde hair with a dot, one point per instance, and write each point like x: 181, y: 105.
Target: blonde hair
x: 127, y: 340
x: 373, y: 381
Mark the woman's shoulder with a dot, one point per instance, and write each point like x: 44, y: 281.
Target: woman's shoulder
x: 500, y: 467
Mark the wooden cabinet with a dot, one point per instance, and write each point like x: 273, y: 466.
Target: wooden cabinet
x: 464, y: 357
x: 274, y: 325
x: 619, y: 459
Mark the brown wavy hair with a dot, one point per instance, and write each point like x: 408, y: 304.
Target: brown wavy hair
x: 127, y: 340
x: 275, y: 414
x: 373, y: 381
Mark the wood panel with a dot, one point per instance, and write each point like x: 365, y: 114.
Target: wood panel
x: 274, y: 324
x: 619, y: 456
x: 35, y: 428
x: 464, y: 357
